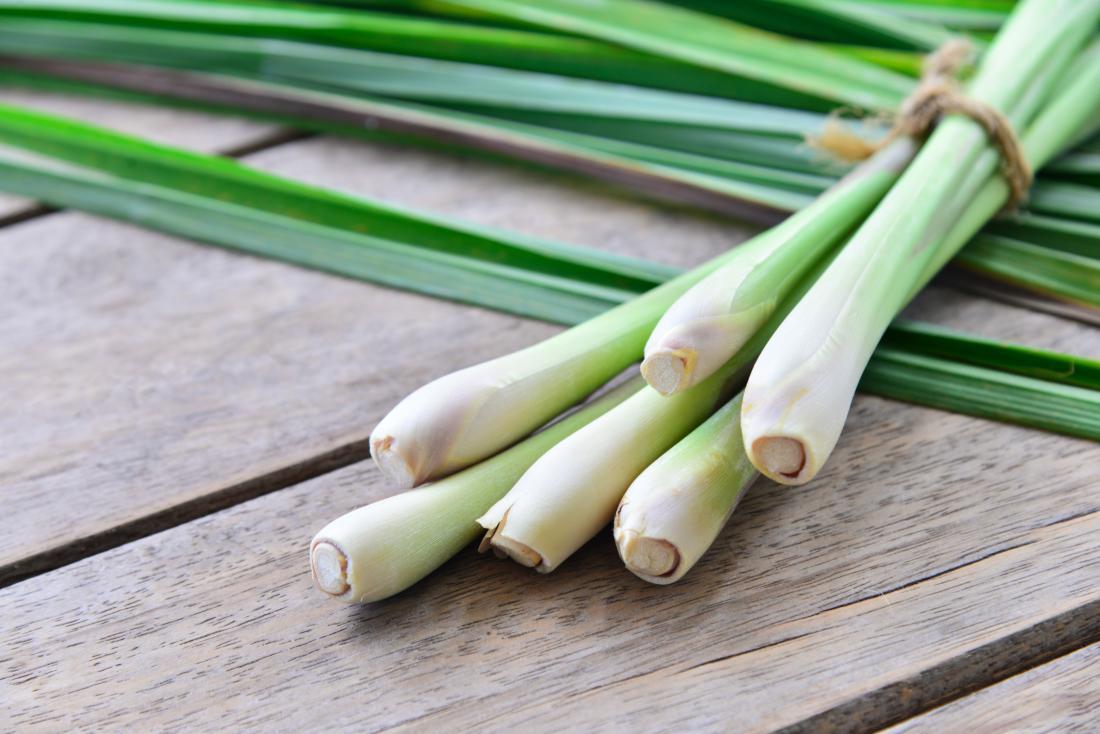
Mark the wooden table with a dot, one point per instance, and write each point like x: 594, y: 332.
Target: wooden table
x: 178, y: 421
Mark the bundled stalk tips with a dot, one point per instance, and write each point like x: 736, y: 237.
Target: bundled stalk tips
x: 807, y: 300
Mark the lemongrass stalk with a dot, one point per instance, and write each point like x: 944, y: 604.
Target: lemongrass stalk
x: 573, y: 489
x: 706, y: 326
x: 465, y: 416
x: 385, y: 547
x: 799, y: 392
x: 675, y: 509
x: 468, y: 415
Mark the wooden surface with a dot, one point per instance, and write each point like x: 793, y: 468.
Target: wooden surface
x: 1061, y: 696
x: 172, y: 398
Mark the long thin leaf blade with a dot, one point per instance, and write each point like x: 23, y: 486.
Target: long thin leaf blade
x: 228, y: 181
x: 712, y: 43
x: 399, y: 265
x: 420, y: 36
x: 1040, y: 364
x: 983, y: 392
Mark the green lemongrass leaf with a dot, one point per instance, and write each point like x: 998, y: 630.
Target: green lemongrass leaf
x: 1076, y: 237
x: 1060, y: 199
x: 1040, y: 364
x: 228, y: 181
x: 1081, y: 165
x: 1062, y: 276
x: 419, y: 36
x: 360, y: 116
x: 783, y: 151
x: 973, y: 15
x: 903, y: 62
x: 838, y: 21
x: 405, y: 77
x: 303, y: 243
x: 983, y: 392
x: 713, y: 43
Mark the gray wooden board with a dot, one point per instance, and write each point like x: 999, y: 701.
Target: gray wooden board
x: 1061, y: 696
x: 812, y: 598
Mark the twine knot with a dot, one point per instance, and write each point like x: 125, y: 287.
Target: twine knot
x: 939, y: 94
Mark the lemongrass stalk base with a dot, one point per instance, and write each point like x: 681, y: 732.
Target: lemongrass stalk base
x: 330, y: 568
x: 383, y: 548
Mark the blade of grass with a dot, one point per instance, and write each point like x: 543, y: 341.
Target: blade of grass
x: 254, y: 231
x: 228, y: 181
x: 711, y: 42
x: 829, y: 20
x: 1065, y: 235
x: 983, y: 392
x: 1039, y: 364
x: 1059, y: 199
x: 974, y: 15
x: 569, y: 57
x: 403, y: 77
x: 360, y: 116
x: 1062, y: 276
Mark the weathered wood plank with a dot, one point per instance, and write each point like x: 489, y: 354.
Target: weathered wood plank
x: 158, y: 373
x: 185, y: 128
x: 1061, y: 696
x: 812, y: 599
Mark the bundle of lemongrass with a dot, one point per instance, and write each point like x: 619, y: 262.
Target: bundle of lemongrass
x: 795, y: 312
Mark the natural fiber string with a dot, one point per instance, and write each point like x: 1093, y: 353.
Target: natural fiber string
x: 939, y: 94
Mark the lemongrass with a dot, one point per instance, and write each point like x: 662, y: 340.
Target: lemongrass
x: 706, y: 326
x: 573, y: 489
x: 675, y: 509
x: 799, y: 392
x: 385, y: 547
x: 470, y: 414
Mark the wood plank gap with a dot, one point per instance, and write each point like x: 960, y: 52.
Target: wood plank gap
x: 33, y: 211
x: 931, y: 688
x: 967, y: 674
x: 170, y: 517
x: 277, y: 137
x: 961, y: 676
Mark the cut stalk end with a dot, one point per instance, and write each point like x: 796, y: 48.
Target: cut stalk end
x: 669, y: 371
x: 779, y: 457
x: 393, y: 465
x: 647, y: 556
x: 330, y: 568
x: 518, y: 552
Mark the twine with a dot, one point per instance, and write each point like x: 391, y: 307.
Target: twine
x: 937, y: 95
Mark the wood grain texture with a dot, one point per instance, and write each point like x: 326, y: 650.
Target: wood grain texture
x: 185, y: 128
x: 157, y: 372
x: 1061, y: 696
x: 811, y: 599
